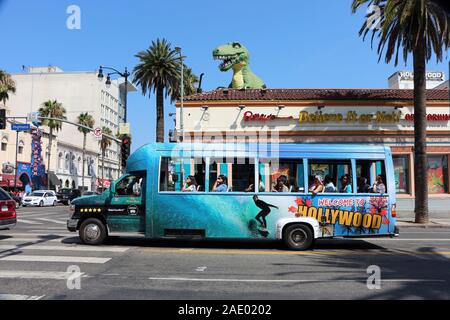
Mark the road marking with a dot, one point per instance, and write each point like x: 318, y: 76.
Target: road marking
x: 43, y: 239
x: 19, y: 297
x: 411, y: 240
x: 52, y: 220
x: 42, y: 275
x: 65, y: 248
x: 289, y: 281
x: 201, y: 269
x: 34, y: 234
x: 298, y: 253
x: 28, y: 221
x: 25, y: 258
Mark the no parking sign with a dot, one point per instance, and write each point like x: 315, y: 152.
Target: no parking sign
x: 98, y: 134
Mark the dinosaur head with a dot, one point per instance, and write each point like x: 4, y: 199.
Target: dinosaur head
x: 232, y: 54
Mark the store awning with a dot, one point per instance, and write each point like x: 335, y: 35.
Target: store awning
x: 54, y: 179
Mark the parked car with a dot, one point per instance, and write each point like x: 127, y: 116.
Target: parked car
x: 66, y: 196
x: 17, y: 199
x: 40, y: 198
x: 8, y: 216
x: 90, y: 193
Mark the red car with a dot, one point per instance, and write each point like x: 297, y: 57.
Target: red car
x: 8, y: 217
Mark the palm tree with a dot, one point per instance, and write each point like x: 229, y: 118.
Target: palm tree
x: 420, y: 27
x: 105, y: 143
x: 52, y: 109
x: 7, y: 85
x: 190, y: 83
x: 85, y: 119
x: 158, y: 71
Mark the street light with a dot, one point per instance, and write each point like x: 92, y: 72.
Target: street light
x: 178, y: 50
x: 125, y: 75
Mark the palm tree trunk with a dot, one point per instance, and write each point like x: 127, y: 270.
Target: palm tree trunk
x: 420, y: 135
x: 49, y: 156
x: 160, y: 114
x: 84, y: 152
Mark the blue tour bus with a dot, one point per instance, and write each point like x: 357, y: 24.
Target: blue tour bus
x: 291, y: 192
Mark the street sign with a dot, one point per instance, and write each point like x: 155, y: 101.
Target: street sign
x: 33, y: 117
x: 124, y: 128
x: 20, y: 127
x: 98, y: 134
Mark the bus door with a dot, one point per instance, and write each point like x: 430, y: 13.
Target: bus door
x: 126, y: 210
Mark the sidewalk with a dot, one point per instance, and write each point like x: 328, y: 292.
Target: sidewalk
x: 437, y: 220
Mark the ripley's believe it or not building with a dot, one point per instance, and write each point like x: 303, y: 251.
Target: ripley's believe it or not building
x: 359, y: 116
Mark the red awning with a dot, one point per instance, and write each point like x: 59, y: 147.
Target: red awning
x: 104, y: 183
x: 7, y: 180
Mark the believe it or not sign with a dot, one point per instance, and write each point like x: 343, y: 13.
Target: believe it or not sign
x: 431, y: 117
x: 20, y: 127
x: 250, y: 116
x: 350, y: 117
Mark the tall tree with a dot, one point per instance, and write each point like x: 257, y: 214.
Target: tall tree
x: 52, y: 109
x: 159, y: 71
x: 420, y: 28
x: 105, y: 143
x: 7, y: 86
x: 85, y: 119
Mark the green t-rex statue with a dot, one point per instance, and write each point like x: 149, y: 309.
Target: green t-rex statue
x: 235, y: 56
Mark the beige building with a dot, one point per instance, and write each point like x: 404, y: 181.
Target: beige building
x: 79, y: 92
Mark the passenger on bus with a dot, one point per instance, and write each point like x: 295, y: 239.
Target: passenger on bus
x: 317, y: 186
x: 281, y: 185
x: 363, y: 186
x: 329, y: 185
x: 251, y: 187
x: 379, y: 186
x: 346, y: 184
x: 190, y: 185
x: 221, y: 184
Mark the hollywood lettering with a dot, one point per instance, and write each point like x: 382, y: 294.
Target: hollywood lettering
x: 341, y: 217
x: 254, y: 117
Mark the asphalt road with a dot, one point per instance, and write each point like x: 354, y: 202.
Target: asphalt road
x: 36, y: 255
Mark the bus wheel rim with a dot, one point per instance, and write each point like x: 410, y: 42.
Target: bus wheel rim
x: 92, y: 232
x: 298, y: 236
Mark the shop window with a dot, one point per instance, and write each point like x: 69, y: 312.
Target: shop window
x: 437, y: 174
x: 281, y: 175
x: 401, y: 173
x: 371, y: 176
x: 232, y: 175
x: 330, y: 176
x: 182, y: 175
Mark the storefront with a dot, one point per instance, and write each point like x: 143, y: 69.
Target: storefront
x: 359, y: 116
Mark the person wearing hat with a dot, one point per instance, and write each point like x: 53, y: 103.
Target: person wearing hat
x: 317, y: 186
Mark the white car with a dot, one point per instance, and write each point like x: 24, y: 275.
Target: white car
x: 40, y: 198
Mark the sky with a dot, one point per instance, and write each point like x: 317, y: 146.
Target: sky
x: 293, y: 43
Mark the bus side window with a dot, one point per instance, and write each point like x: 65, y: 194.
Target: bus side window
x: 130, y: 186
x: 330, y: 176
x: 231, y: 175
x: 281, y: 175
x: 371, y: 176
x: 182, y: 175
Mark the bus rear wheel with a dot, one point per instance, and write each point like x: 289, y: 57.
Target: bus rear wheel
x: 298, y: 237
x: 93, y: 232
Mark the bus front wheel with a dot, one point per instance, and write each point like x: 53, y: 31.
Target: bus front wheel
x: 298, y: 237
x: 93, y: 232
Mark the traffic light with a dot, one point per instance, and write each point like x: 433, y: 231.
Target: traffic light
x: 125, y: 150
x: 2, y: 119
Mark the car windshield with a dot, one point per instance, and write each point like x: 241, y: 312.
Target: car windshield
x: 37, y: 194
x: 65, y: 191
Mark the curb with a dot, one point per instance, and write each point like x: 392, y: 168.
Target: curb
x: 409, y: 224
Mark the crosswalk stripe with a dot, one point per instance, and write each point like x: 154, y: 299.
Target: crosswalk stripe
x: 65, y: 248
x: 46, y: 239
x: 19, y: 297
x: 26, y: 258
x: 51, y: 220
x: 43, y: 275
x: 20, y: 220
x: 38, y: 234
